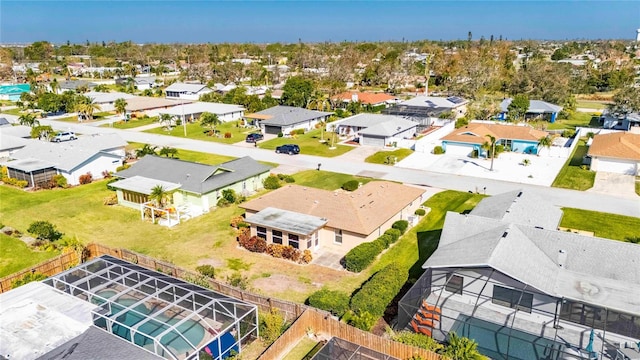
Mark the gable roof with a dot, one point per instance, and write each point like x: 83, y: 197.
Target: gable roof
x: 365, y: 97
x: 535, y: 106
x: 184, y: 87
x: 361, y: 211
x: 620, y: 145
x: 195, y: 177
x: 390, y: 128
x: 107, y: 97
x: 476, y: 133
x: 435, y: 102
x: 281, y: 115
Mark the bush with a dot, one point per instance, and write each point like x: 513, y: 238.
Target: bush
x: 385, y: 240
x: 227, y: 135
x: 375, y: 295
x: 417, y: 340
x: 236, y: 279
x: 351, y: 185
x: 206, y: 270
x: 230, y: 196
x: 15, y: 182
x: 59, y: 180
x: 420, y: 212
x: 272, y: 325
x: 280, y: 134
x: 85, y: 179
x: 363, y: 321
x: 336, y: 302
x: 361, y: 256
x: 438, y: 150
x: 286, y: 178
x: 401, y: 225
x: 44, y: 230
x: 463, y: 121
x: 254, y: 244
x: 296, y: 132
x: 394, y: 233
x: 271, y: 182
x: 568, y: 133
x: 29, y: 277
x: 110, y: 200
x: 123, y: 167
x: 236, y: 220
x: 474, y: 154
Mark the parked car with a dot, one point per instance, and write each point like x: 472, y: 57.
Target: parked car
x: 64, y: 136
x: 290, y: 149
x: 253, y: 137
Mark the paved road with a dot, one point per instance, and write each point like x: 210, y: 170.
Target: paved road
x: 560, y: 197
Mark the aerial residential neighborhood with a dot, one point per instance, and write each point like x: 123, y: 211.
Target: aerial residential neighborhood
x: 320, y: 181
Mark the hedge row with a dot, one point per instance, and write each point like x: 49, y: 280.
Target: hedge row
x: 361, y: 256
x: 336, y: 302
x: 375, y: 295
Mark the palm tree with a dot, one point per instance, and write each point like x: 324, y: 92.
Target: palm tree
x: 321, y: 125
x: 333, y: 135
x: 121, y: 106
x: 55, y: 87
x: 86, y: 106
x: 166, y: 120
x: 490, y: 145
x: 158, y: 195
x: 543, y: 142
x: 211, y: 120
x: 28, y: 120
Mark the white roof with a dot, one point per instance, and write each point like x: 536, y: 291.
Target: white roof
x: 107, y: 97
x: 21, y: 131
x: 200, y: 107
x: 433, y: 102
x: 390, y: 128
x: 8, y: 142
x: 180, y: 87
x: 143, y: 185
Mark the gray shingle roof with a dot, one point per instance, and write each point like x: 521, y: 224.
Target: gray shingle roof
x: 366, y: 120
x: 180, y: 87
x: 195, y: 177
x: 389, y: 128
x: 535, y: 106
x: 289, y: 115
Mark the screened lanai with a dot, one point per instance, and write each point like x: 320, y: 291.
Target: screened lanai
x: 340, y: 349
x: 159, y: 313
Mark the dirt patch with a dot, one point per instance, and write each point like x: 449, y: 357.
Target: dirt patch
x: 279, y: 283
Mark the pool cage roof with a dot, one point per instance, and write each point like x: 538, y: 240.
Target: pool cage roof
x: 169, y: 317
x: 340, y: 349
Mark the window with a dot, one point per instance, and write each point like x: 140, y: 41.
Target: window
x: 276, y: 236
x: 294, y: 241
x: 454, y: 284
x: 338, y: 238
x: 134, y: 197
x: 261, y: 232
x: 309, y: 242
x: 515, y: 299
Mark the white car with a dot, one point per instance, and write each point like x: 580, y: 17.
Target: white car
x: 64, y: 136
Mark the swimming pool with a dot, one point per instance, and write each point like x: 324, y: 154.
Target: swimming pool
x: 157, y: 324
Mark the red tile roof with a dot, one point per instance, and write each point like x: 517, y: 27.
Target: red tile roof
x: 476, y: 133
x: 365, y: 98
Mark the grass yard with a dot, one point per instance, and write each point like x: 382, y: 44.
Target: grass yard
x: 195, y: 131
x: 302, y: 350
x: 309, y: 144
x: 577, y: 119
x: 16, y: 255
x: 188, y: 155
x: 15, y: 111
x: 610, y: 226
x: 133, y: 123
x: 572, y: 176
x: 325, y: 179
x: 638, y: 186
x: 590, y: 104
x: 383, y: 157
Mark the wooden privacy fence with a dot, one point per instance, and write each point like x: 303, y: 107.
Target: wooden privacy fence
x: 50, y: 267
x: 323, y: 324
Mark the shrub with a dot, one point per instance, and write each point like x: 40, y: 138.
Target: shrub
x: 236, y: 279
x: 361, y: 256
x: 280, y: 134
x: 306, y: 257
x: 474, y: 154
x: 271, y: 182
x: 123, y: 167
x: 375, y: 294
x: 363, y: 321
x: 417, y: 340
x: 227, y: 135
x: 222, y: 202
x: 272, y: 325
x: 590, y: 135
x: 420, y: 212
x: 29, y: 277
x: 44, y: 230
x: 236, y: 220
x: 394, y: 233
x: 286, y: 178
x: 254, y: 244
x: 296, y: 132
x: 438, y: 150
x: 568, y: 133
x: 59, y: 180
x: 106, y: 174
x: 385, y: 240
x: 15, y: 182
x: 206, y: 270
x: 351, y: 185
x: 401, y: 225
x: 459, y: 347
x: 463, y: 121
x: 85, y: 179
x: 110, y: 200
x: 230, y: 196
x: 336, y: 302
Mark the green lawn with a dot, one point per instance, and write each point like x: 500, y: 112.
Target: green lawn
x: 596, y: 105
x: 15, y: 111
x: 325, y: 179
x: 96, y: 117
x: 195, y: 156
x: 638, y: 186
x: 610, y: 226
x: 572, y: 176
x: 384, y: 157
x: 16, y: 255
x: 302, y: 350
x: 195, y: 131
x: 133, y: 123
x: 309, y: 144
x: 577, y: 119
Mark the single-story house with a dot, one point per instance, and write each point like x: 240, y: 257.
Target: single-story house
x: 107, y: 100
x: 537, y: 109
x: 10, y: 144
x: 194, y: 185
x: 366, y: 98
x: 619, y: 122
x: 376, y: 129
x: 431, y: 106
x: 186, y: 91
x: 506, y: 277
x: 74, y: 85
x: 517, y: 138
x: 13, y: 92
x: 93, y: 154
x: 617, y: 152
x: 140, y: 82
x: 192, y: 111
x: 310, y: 218
x: 284, y: 119
x: 139, y: 106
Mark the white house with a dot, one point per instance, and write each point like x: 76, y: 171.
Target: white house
x: 617, y: 152
x: 186, y: 91
x: 192, y: 111
x: 106, y: 100
x: 376, y: 129
x: 285, y: 119
x: 437, y: 105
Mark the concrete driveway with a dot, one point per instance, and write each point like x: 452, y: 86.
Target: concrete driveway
x: 615, y: 184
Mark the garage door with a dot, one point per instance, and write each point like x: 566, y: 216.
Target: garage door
x: 272, y: 129
x: 459, y: 150
x: 627, y: 168
x: 372, y: 141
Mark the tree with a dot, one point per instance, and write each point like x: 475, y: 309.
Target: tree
x: 461, y: 348
x: 333, y: 128
x: 544, y: 142
x: 518, y: 107
x: 210, y: 120
x: 158, y: 195
x: 297, y: 91
x: 44, y: 230
x: 121, y: 106
x: 28, y: 120
x: 146, y: 149
x: 54, y: 86
x: 86, y: 106
x: 42, y: 132
x: 168, y: 152
x: 625, y: 101
x: 166, y: 120
x: 50, y: 102
x: 490, y: 147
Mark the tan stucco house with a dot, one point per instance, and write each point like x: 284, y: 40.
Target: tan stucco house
x: 310, y: 218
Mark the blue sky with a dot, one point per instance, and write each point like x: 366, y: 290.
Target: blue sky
x: 288, y: 21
